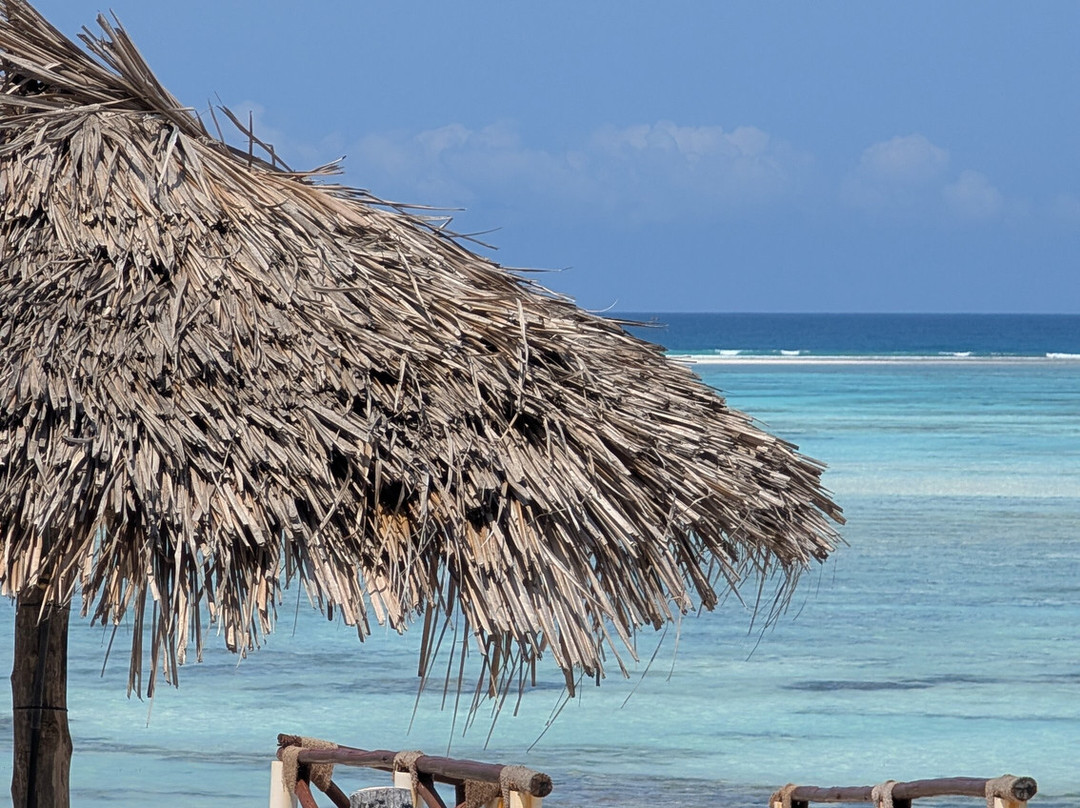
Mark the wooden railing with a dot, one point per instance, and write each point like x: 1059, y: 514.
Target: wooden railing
x: 301, y: 763
x: 518, y: 786
x: 1006, y: 791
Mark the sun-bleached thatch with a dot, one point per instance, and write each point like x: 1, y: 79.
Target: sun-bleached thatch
x: 218, y: 376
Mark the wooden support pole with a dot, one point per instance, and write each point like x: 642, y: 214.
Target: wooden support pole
x: 426, y: 786
x: 42, y: 748
x: 304, y: 795
x: 337, y: 796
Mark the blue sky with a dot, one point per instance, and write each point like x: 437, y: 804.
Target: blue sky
x: 680, y: 156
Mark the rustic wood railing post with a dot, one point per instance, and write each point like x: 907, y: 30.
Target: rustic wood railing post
x: 279, y: 794
x: 521, y: 800
x: 1004, y: 802
x: 517, y: 800
x: 404, y: 780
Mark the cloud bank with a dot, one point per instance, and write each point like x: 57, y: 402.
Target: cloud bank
x: 658, y: 172
x: 973, y: 197
x: 648, y: 172
x: 908, y: 177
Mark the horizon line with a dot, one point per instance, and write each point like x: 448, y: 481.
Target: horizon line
x: 618, y: 312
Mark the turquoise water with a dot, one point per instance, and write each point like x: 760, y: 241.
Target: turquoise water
x: 942, y: 641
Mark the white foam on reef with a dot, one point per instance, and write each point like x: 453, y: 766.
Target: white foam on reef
x: 790, y: 353
x: 799, y: 358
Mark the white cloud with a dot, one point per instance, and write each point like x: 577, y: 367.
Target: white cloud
x: 453, y: 165
x: 908, y: 160
x: 437, y: 141
x: 907, y: 178
x: 973, y: 197
x: 689, y: 143
x: 896, y: 176
x: 743, y: 167
x: 645, y: 171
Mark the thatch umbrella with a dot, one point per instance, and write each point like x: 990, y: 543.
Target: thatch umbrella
x: 218, y: 375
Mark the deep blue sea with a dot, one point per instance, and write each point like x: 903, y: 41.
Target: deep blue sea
x: 943, y: 640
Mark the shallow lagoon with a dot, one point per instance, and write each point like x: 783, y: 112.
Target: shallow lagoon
x: 942, y: 641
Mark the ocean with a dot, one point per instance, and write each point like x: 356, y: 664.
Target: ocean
x: 942, y: 640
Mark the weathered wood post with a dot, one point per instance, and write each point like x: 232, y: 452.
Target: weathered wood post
x: 42, y: 755
x: 279, y: 794
x: 404, y: 780
x: 519, y: 799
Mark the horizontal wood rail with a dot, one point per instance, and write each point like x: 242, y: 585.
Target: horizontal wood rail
x: 1007, y: 791
x: 529, y: 786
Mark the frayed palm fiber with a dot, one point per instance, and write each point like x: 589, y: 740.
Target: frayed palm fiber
x: 218, y: 376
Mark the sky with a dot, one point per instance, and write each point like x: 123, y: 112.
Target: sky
x: 679, y: 156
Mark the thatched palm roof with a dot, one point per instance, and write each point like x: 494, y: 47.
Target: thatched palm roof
x: 218, y: 376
